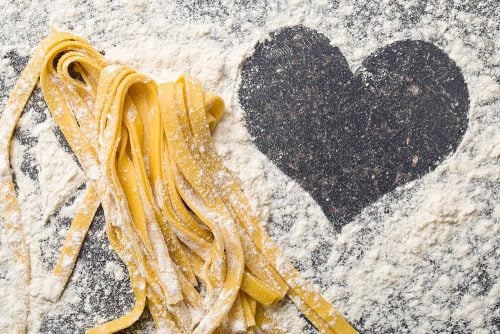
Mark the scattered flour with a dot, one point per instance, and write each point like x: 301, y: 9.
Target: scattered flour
x: 423, y: 258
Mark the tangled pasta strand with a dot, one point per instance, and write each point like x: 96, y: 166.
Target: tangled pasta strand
x: 197, y: 255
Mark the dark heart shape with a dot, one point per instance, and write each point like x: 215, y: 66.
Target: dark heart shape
x: 349, y: 138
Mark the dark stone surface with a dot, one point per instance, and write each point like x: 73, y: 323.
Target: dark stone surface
x: 349, y: 138
x: 100, y: 295
x: 315, y: 106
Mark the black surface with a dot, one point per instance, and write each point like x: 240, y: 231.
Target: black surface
x: 349, y: 138
x: 313, y: 96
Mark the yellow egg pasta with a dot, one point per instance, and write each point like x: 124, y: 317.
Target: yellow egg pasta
x: 198, y: 257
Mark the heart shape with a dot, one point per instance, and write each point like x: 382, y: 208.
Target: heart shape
x: 350, y: 138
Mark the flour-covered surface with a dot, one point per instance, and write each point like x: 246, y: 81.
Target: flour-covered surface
x: 421, y: 258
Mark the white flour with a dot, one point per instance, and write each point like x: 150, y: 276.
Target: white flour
x: 421, y: 259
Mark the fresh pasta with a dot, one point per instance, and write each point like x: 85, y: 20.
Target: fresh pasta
x: 198, y: 257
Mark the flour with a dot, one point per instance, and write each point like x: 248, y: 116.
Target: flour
x: 423, y: 258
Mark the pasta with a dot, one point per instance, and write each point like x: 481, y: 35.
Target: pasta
x: 197, y: 255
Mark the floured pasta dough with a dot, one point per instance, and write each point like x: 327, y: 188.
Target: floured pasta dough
x: 197, y: 255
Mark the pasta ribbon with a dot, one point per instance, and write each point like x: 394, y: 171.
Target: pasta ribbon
x: 196, y: 254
